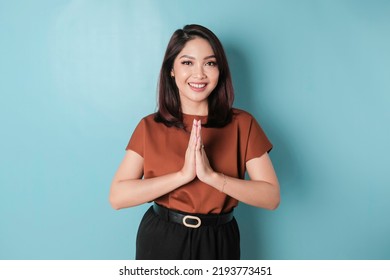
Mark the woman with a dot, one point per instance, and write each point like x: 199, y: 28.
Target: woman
x: 190, y: 157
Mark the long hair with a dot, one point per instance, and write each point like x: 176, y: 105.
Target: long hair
x: 220, y: 101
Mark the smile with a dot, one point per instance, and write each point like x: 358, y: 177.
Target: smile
x: 197, y: 85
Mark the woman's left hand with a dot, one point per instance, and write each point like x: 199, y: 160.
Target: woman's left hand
x: 203, y: 168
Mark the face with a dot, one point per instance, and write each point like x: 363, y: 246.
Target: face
x: 196, y: 73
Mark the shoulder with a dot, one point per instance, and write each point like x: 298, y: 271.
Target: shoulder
x: 241, y: 116
x: 245, y: 120
x: 149, y: 123
x: 145, y: 122
x: 148, y: 120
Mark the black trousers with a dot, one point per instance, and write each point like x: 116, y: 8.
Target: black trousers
x: 158, y: 239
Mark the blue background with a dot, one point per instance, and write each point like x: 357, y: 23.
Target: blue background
x: 77, y: 76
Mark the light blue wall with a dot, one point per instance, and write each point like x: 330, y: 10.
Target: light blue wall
x: 76, y: 77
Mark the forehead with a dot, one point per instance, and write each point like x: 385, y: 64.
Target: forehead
x: 197, y: 47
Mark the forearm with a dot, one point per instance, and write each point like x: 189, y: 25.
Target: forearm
x: 128, y: 193
x: 256, y: 193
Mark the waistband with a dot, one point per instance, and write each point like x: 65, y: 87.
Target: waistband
x: 192, y: 220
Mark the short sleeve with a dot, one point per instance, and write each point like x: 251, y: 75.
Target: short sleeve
x: 258, y: 142
x: 137, y: 140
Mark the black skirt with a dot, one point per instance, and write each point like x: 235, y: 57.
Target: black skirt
x: 162, y: 238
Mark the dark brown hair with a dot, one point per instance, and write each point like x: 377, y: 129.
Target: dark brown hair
x: 220, y: 100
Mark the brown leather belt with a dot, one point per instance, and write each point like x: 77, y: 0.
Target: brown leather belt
x: 192, y: 220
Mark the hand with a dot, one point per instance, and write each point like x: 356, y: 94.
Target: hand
x: 203, y: 168
x: 188, y: 172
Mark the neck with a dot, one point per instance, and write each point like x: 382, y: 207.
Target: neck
x: 199, y: 110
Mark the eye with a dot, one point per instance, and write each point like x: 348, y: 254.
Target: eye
x: 186, y: 62
x: 211, y: 63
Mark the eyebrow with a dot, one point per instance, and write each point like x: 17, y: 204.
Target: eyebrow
x: 191, y: 57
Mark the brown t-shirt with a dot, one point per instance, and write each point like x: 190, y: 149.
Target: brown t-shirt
x: 228, y: 149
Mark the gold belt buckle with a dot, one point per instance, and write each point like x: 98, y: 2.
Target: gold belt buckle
x: 194, y: 218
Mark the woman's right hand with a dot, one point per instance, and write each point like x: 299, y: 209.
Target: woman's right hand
x: 188, y: 172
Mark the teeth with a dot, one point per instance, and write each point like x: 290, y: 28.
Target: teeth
x: 197, y: 85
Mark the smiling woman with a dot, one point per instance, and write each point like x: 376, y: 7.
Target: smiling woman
x: 190, y: 157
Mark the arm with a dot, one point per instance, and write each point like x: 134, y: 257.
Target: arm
x: 262, y: 190
x: 129, y: 189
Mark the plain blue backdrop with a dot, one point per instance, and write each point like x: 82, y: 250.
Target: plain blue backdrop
x: 77, y: 76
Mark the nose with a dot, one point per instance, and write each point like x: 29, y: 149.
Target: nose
x: 199, y: 72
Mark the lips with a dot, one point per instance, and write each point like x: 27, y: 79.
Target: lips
x: 197, y: 86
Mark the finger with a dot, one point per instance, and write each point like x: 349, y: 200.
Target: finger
x: 198, y: 144
x: 199, y: 134
x: 192, y: 141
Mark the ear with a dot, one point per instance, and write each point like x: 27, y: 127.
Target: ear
x: 172, y: 73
